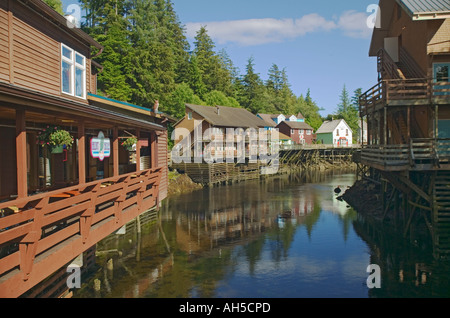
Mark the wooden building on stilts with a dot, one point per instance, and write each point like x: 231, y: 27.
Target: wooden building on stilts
x: 408, y: 115
x: 58, y: 202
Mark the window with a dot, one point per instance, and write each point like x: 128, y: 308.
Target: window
x: 189, y: 115
x: 441, y: 72
x: 292, y: 131
x: 337, y: 132
x: 308, y: 132
x: 346, y: 132
x: 73, y: 72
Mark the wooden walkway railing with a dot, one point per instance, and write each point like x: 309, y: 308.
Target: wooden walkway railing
x: 42, y: 233
x: 407, y: 91
x: 432, y: 152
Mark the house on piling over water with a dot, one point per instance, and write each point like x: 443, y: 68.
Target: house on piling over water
x: 220, y: 144
x: 57, y: 203
x: 408, y: 113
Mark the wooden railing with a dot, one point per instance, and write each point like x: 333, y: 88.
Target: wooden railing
x: 408, y: 63
x: 41, y: 233
x: 386, y: 66
x: 412, y: 90
x: 429, y: 151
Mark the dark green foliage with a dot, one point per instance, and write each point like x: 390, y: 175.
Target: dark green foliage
x: 147, y: 57
x: 347, y: 109
x: 56, y: 5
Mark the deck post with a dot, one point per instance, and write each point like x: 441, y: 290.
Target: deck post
x: 21, y: 154
x: 138, y: 150
x: 115, y: 151
x: 81, y: 154
x: 385, y: 126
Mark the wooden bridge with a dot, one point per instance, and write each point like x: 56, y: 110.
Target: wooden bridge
x: 41, y: 234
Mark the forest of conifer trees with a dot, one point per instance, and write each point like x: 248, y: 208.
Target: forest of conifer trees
x: 148, y: 57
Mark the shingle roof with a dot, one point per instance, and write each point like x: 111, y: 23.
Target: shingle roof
x: 329, y: 126
x: 297, y: 125
x: 268, y: 119
x: 228, y: 116
x: 427, y: 6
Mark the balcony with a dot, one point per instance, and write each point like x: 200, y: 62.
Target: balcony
x: 41, y: 233
x: 421, y: 154
x: 405, y: 92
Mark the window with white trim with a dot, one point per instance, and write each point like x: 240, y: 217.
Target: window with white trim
x: 73, y: 72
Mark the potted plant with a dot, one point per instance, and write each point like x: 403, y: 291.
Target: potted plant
x: 55, y: 138
x: 130, y: 143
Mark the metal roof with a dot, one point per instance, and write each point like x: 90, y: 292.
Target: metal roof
x: 420, y: 9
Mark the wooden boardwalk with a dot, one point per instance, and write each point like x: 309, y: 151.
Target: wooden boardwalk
x: 293, y: 157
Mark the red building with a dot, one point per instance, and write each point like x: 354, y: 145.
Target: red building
x: 301, y: 133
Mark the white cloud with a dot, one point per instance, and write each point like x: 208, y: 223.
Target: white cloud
x: 262, y: 31
x: 354, y: 24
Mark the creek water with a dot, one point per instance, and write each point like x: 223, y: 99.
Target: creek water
x: 287, y: 236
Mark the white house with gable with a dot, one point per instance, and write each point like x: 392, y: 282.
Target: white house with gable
x: 335, y: 132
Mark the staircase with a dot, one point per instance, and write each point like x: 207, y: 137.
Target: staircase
x: 408, y: 65
x: 405, y: 68
x: 441, y: 215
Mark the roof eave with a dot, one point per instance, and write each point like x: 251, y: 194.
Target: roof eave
x: 63, y: 22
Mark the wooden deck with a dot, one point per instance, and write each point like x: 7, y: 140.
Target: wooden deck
x: 421, y: 154
x: 404, y: 92
x: 40, y: 234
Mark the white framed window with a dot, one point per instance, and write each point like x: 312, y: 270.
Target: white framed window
x: 308, y: 132
x: 73, y: 72
x: 189, y: 115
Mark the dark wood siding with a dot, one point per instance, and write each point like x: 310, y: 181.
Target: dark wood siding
x: 36, y: 59
x: 36, y: 51
x: 163, y: 162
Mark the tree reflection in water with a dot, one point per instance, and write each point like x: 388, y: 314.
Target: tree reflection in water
x: 286, y: 236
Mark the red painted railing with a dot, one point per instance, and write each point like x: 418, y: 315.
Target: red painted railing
x: 44, y: 232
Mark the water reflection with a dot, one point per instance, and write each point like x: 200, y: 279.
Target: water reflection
x: 287, y: 236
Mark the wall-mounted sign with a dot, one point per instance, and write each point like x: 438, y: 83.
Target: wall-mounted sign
x: 100, y: 147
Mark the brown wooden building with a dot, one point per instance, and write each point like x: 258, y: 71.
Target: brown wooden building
x: 74, y: 198
x: 212, y: 121
x: 408, y: 111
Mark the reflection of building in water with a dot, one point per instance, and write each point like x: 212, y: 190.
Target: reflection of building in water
x: 408, y: 268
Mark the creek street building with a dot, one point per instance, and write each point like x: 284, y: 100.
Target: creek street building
x: 56, y: 204
x: 408, y: 115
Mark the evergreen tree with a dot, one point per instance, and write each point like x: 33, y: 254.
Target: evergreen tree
x: 346, y: 110
x: 56, y: 5
x: 355, y: 99
x: 309, y: 109
x: 108, y: 26
x: 194, y: 77
x: 212, y: 67
x: 254, y: 96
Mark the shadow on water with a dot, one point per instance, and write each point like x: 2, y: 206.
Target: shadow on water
x: 408, y: 267
x: 286, y: 236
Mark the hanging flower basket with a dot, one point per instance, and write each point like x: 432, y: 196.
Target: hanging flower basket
x: 57, y: 149
x: 130, y: 143
x: 55, y: 138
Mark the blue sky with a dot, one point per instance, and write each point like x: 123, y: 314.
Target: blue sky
x: 322, y: 44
